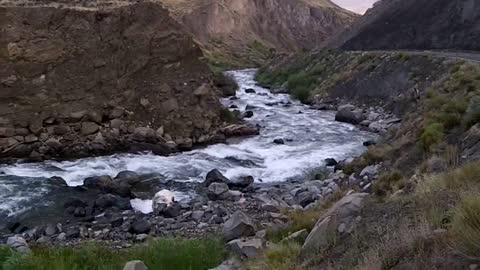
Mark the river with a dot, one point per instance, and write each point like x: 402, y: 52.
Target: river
x: 310, y: 136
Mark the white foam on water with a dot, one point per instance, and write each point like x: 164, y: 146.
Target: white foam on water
x: 146, y: 206
x: 313, y: 136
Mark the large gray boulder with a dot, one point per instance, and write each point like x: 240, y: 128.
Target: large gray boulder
x: 341, y: 218
x: 247, y: 248
x: 217, y: 191
x: 18, y: 243
x: 135, y: 265
x: 350, y: 116
x: 239, y: 225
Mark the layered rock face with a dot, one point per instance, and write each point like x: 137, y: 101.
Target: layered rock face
x: 415, y: 24
x: 246, y: 29
x: 76, y: 81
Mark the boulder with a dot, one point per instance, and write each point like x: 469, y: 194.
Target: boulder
x: 239, y: 225
x: 73, y: 232
x: 239, y: 130
x: 278, y: 141
x: 217, y: 191
x: 135, y: 265
x: 198, y: 215
x: 103, y: 183
x: 348, y: 116
x: 369, y: 143
x: 370, y: 171
x: 241, y: 182
x: 341, y: 218
x: 110, y: 200
x: 128, y: 177
x: 140, y: 226
x: 18, y: 243
x: 247, y: 248
x: 250, y: 91
x: 89, y: 128
x: 215, y: 176
x: 247, y: 114
x: 330, y: 162
x: 144, y: 134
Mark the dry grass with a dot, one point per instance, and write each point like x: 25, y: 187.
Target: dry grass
x: 282, y: 256
x: 466, y: 226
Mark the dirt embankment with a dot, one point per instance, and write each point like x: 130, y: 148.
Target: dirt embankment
x: 80, y: 81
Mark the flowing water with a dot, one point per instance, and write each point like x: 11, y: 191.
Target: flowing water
x: 310, y: 137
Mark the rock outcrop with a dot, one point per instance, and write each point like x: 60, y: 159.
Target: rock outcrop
x: 391, y: 24
x: 82, y: 81
x: 245, y: 31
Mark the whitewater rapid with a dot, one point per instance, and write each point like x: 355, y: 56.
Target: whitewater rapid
x: 310, y: 136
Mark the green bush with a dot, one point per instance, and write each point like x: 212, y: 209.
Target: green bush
x: 300, y: 85
x: 388, y: 183
x: 466, y: 225
x: 168, y: 254
x: 431, y: 135
x: 472, y: 115
x: 229, y: 116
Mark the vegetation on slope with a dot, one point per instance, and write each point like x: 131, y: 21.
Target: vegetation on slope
x: 168, y: 254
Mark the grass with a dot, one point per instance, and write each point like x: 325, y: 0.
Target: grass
x: 165, y: 254
x: 388, y: 183
x: 432, y: 135
x: 229, y: 116
x: 282, y: 256
x: 466, y: 225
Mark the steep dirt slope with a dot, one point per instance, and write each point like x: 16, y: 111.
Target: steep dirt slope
x: 415, y: 24
x: 76, y: 81
x: 246, y: 30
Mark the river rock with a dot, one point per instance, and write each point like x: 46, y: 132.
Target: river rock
x: 369, y: 143
x: 278, y: 141
x: 250, y: 91
x: 128, y: 177
x: 330, y: 162
x: 239, y: 225
x: 247, y: 114
x: 341, y: 218
x: 140, y: 226
x: 143, y: 134
x: 18, y: 243
x: 73, y: 232
x: 348, y: 116
x: 239, y: 130
x: 135, y: 265
x: 247, y: 248
x: 103, y: 183
x: 89, y: 128
x: 215, y: 176
x: 241, y: 182
x: 217, y: 191
x: 110, y: 200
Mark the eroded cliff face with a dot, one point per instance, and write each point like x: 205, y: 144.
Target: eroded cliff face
x: 80, y: 81
x: 246, y: 30
x: 415, y: 24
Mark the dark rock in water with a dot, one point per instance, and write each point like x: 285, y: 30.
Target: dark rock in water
x: 247, y: 114
x: 129, y: 177
x: 234, y: 98
x: 348, y: 116
x: 103, y: 183
x: 15, y: 226
x: 74, y: 202
x: 122, y: 189
x: 250, y: 91
x: 215, y: 176
x: 339, y: 165
x: 73, y: 232
x: 57, y: 181
x: 242, y: 162
x: 233, y: 106
x: 140, y: 226
x: 278, y: 141
x: 109, y: 200
x: 250, y: 107
x: 330, y: 162
x: 241, y: 182
x: 369, y: 143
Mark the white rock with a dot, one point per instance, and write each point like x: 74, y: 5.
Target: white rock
x: 135, y: 265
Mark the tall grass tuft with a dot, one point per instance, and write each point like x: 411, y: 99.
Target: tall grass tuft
x: 466, y: 225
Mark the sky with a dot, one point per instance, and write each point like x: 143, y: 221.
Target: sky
x: 358, y: 6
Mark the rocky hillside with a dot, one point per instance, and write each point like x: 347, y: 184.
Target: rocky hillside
x: 76, y: 81
x: 246, y: 31
x: 412, y: 24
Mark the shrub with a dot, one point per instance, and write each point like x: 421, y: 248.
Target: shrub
x: 388, y: 183
x: 472, y: 116
x: 431, y: 135
x: 466, y: 225
x: 228, y: 116
x: 283, y: 256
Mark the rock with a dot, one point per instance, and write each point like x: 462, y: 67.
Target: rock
x: 305, y: 198
x: 51, y: 230
x: 371, y: 170
x: 239, y: 225
x: 248, y: 248
x: 128, y: 177
x: 202, y: 90
x: 369, y: 143
x: 103, y: 183
x: 89, y: 128
x: 117, y: 123
x: 185, y: 144
x: 278, y: 141
x: 135, y: 265
x: 247, y: 114
x: 31, y: 138
x: 73, y: 232
x: 172, y: 211
x: 241, y: 182
x: 377, y: 127
x: 57, y: 181
x: 74, y: 202
x: 330, y: 162
x: 116, y: 222
x: 239, y: 130
x: 110, y: 200
x: 250, y: 91
x: 140, y: 226
x: 163, y: 199
x: 348, y: 116
x: 144, y: 134
x: 141, y: 237
x: 217, y: 191
x: 18, y: 243
x: 198, y: 215
x: 298, y: 237
x: 7, y: 132
x: 54, y: 144
x: 61, y: 130
x: 347, y: 107
x: 230, y: 264
x: 61, y: 237
x: 215, y: 176
x: 343, y: 212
